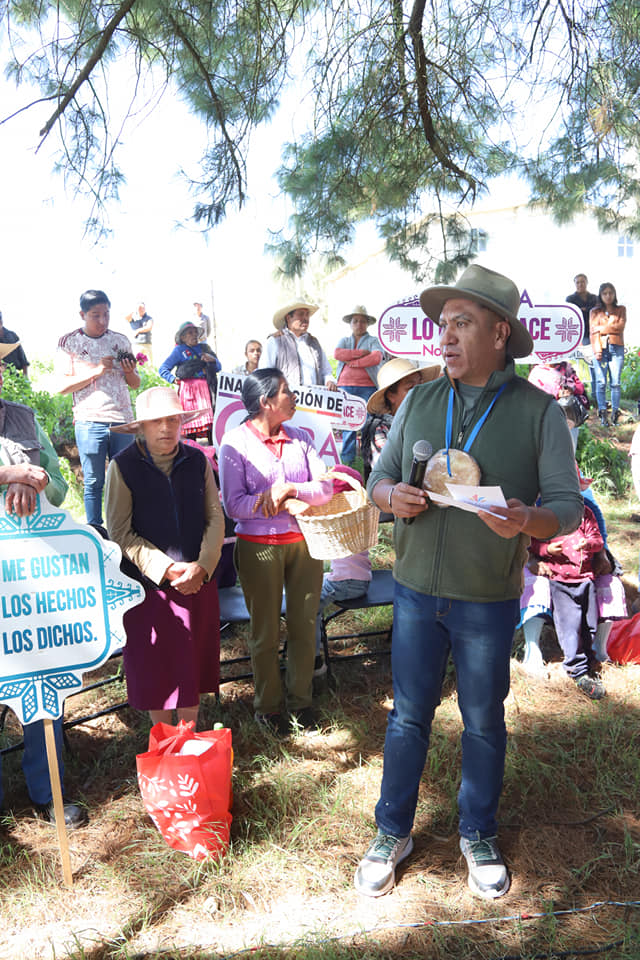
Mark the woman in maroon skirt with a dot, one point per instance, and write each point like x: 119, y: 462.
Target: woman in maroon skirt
x: 163, y: 510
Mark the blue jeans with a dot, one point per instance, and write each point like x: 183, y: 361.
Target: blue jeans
x: 349, y: 437
x: 613, y: 363
x: 337, y: 590
x: 479, y: 637
x: 95, y: 443
x: 34, y: 761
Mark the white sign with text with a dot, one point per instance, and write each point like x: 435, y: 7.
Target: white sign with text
x: 556, y: 330
x: 62, y: 598
x: 318, y: 411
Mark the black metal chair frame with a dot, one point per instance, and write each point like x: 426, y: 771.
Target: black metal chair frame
x: 233, y: 610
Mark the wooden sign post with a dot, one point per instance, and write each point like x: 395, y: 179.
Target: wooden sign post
x: 58, y: 802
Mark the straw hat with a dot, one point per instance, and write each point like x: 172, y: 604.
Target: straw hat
x: 7, y: 348
x: 279, y: 315
x: 392, y: 372
x: 490, y: 289
x: 154, y: 404
x: 359, y: 311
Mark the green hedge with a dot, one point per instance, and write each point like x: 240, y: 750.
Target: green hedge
x: 605, y: 463
x: 55, y: 410
x: 630, y: 377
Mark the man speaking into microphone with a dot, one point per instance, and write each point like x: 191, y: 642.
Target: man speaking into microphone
x: 422, y: 450
x: 458, y: 574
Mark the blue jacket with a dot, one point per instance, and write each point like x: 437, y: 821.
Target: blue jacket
x: 180, y: 353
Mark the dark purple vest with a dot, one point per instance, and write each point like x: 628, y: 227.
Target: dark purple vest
x: 167, y: 511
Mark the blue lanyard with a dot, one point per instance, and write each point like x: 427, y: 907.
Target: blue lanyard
x: 476, y: 429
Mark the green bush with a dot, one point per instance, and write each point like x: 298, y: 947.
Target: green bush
x: 74, y: 500
x: 604, y: 463
x: 630, y: 377
x: 53, y: 411
x: 149, y: 377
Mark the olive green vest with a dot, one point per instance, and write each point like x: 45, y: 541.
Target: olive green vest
x: 447, y: 552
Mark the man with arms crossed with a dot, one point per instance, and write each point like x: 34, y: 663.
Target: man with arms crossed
x: 458, y: 574
x: 585, y: 302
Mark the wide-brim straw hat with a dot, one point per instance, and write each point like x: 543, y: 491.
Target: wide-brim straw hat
x: 7, y: 348
x: 490, y: 289
x: 279, y: 315
x: 154, y: 404
x: 181, y: 329
x: 359, y: 311
x: 392, y: 372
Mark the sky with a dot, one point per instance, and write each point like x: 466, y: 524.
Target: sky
x: 47, y: 262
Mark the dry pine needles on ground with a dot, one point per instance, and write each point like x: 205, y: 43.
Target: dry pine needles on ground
x: 303, y: 816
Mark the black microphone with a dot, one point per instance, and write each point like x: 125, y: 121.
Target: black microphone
x: 422, y: 450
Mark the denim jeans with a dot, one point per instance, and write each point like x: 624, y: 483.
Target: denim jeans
x: 614, y: 365
x: 337, y: 590
x: 479, y: 637
x: 34, y: 761
x: 95, y: 443
x: 348, y: 452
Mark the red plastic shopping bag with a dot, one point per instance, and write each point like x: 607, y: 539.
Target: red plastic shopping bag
x: 623, y: 644
x: 185, y: 782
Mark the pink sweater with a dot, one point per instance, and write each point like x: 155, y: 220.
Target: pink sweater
x: 247, y: 467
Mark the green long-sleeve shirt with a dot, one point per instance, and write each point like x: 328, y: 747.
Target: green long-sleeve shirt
x: 47, y: 458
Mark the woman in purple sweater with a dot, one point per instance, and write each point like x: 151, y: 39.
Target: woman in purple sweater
x: 267, y: 474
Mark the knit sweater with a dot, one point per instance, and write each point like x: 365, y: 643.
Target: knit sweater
x: 248, y: 468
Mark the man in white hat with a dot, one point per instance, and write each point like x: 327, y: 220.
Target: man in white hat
x: 29, y: 466
x: 295, y: 351
x: 458, y: 574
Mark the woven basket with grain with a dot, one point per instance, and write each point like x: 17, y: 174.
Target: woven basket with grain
x: 347, y: 524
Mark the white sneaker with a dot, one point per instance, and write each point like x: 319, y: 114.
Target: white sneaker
x: 376, y: 873
x: 488, y: 877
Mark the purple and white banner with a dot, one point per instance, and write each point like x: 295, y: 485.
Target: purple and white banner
x: 556, y: 330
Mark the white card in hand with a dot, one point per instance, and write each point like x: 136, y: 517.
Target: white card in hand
x: 471, y: 498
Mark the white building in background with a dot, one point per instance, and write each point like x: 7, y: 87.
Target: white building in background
x: 520, y: 241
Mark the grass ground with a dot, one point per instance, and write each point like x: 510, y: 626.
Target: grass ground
x: 303, y: 815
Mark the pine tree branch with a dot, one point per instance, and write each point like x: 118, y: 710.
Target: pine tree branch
x: 399, y: 53
x: 217, y: 103
x: 420, y: 57
x: 85, y: 73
